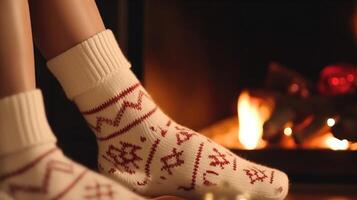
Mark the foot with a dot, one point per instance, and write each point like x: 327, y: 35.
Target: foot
x: 43, y: 172
x: 33, y: 167
x: 139, y: 145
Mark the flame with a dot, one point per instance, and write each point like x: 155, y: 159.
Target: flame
x: 336, y: 144
x: 252, y: 114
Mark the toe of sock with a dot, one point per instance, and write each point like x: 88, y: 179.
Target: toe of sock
x: 276, y: 189
x: 279, y: 186
x: 283, y: 189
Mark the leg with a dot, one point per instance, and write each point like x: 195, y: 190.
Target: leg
x: 60, y: 24
x: 32, y: 167
x: 139, y: 145
x: 17, y: 72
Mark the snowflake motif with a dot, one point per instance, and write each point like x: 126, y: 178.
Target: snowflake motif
x: 124, y: 156
x: 206, y: 181
x: 183, y: 135
x: 172, y: 160
x: 219, y: 159
x: 255, y: 174
x: 159, y: 130
x: 100, y: 191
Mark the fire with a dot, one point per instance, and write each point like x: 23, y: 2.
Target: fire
x: 336, y: 144
x: 252, y: 113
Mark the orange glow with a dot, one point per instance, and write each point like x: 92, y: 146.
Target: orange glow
x: 252, y: 113
x: 353, y: 146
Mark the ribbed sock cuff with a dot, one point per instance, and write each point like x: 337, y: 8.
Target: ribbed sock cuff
x: 87, y: 64
x: 23, y: 122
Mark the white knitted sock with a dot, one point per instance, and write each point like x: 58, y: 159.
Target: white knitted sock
x: 33, y: 168
x: 142, y: 147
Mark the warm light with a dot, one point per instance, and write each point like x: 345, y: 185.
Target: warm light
x: 353, y: 146
x: 331, y: 122
x: 335, y: 81
x: 251, y: 114
x: 288, y: 131
x: 336, y: 144
x: 350, y: 77
x: 209, y: 196
x: 240, y: 197
x: 294, y: 88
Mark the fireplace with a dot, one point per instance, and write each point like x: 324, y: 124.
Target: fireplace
x: 256, y: 77
x: 285, y: 131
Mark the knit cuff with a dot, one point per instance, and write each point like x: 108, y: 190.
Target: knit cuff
x: 23, y: 122
x: 86, y: 65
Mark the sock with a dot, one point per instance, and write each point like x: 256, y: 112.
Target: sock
x: 33, y: 167
x: 142, y: 147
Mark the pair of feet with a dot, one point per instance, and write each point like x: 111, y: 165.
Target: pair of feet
x: 140, y: 147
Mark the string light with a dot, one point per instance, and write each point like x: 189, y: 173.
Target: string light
x: 288, y: 131
x: 331, y: 122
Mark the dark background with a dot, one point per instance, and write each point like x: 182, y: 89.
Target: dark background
x: 195, y: 56
x: 198, y: 55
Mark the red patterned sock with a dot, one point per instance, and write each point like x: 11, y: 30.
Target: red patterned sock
x: 33, y: 168
x: 142, y: 147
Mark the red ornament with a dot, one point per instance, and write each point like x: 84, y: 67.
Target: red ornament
x: 337, y: 80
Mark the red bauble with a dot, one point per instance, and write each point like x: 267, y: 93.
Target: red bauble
x: 337, y: 79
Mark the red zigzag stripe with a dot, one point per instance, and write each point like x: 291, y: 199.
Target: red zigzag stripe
x: 112, y: 100
x: 116, y: 121
x: 51, y: 166
x: 28, y: 166
x: 70, y: 186
x: 129, y: 126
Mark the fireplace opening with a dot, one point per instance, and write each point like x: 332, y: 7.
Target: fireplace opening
x: 274, y: 82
